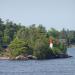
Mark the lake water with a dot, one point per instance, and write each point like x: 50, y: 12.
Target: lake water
x: 40, y: 67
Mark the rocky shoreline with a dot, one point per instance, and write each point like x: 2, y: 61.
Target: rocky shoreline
x: 4, y: 58
x: 30, y: 57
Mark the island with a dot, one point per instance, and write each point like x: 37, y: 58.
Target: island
x: 18, y: 42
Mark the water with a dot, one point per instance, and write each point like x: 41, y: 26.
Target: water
x: 40, y: 67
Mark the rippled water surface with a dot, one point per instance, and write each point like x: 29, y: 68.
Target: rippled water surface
x: 40, y: 67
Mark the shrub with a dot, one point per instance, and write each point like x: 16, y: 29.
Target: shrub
x: 18, y: 47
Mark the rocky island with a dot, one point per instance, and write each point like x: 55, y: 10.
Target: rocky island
x: 19, y: 42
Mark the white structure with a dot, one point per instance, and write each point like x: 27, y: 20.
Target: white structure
x: 51, y: 45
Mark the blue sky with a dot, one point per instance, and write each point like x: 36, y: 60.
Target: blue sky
x: 51, y: 13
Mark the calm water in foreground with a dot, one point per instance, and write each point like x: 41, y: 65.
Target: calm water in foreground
x: 37, y: 67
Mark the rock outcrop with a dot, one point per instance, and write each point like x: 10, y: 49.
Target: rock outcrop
x: 21, y: 57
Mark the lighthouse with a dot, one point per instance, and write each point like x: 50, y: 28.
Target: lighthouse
x: 51, y: 42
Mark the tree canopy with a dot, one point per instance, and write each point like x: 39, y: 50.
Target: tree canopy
x: 33, y: 40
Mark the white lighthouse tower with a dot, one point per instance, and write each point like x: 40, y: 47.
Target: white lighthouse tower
x: 51, y: 43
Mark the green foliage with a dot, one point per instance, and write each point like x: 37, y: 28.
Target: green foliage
x: 59, y: 49
x: 8, y: 31
x: 18, y: 47
x: 32, y: 40
x: 40, y: 49
x: 54, y: 33
x: 0, y: 48
x: 56, y: 51
x: 6, y: 40
x: 63, y: 48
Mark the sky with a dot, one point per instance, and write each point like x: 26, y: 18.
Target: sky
x: 56, y: 14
